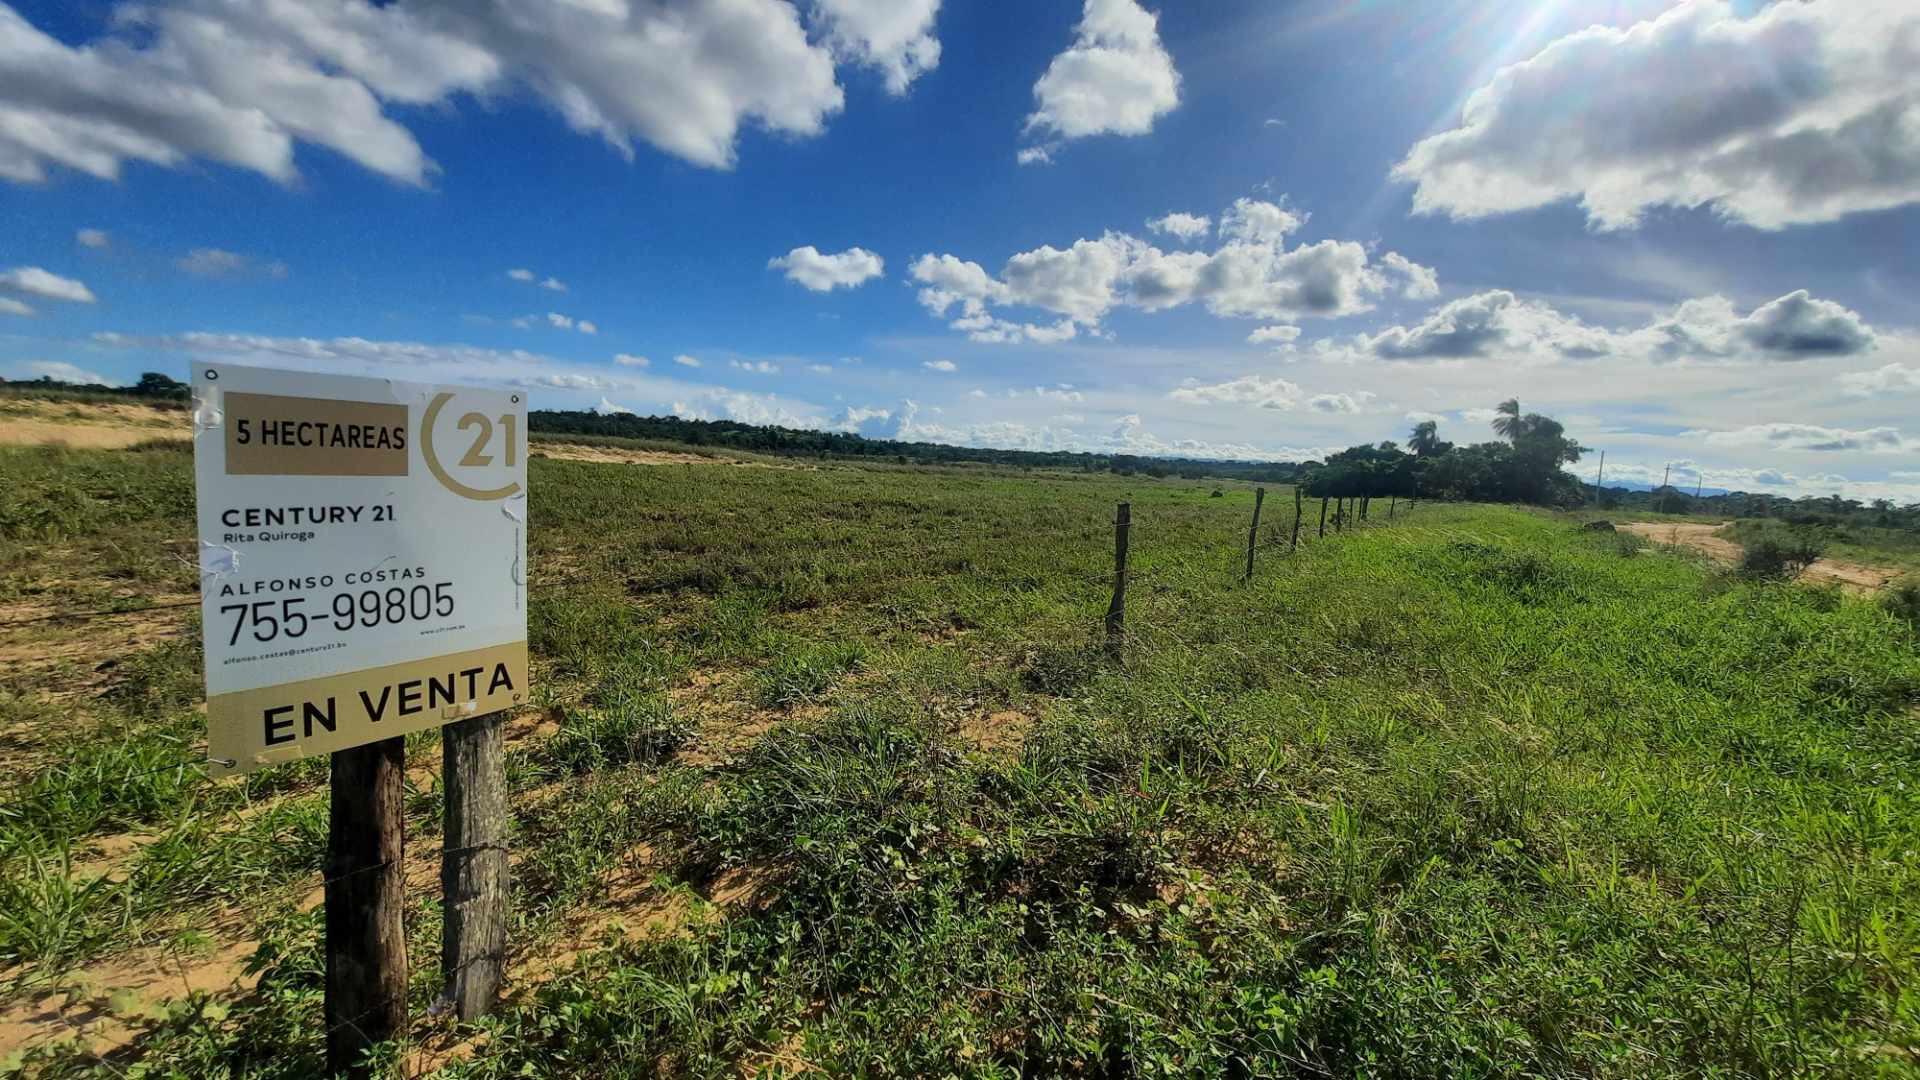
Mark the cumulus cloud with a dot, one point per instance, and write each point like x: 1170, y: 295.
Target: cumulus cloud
x: 33, y: 281
x: 10, y: 306
x: 1252, y: 274
x: 686, y: 361
x: 559, y: 321
x: 894, y: 37
x: 757, y: 367
x: 1809, y: 437
x: 1799, y: 113
x: 554, y: 284
x: 1340, y: 403
x: 720, y: 403
x: 1891, y: 379
x: 608, y: 408
x: 242, y: 82
x: 586, y: 327
x: 1281, y: 334
x: 629, y: 360
x: 1796, y: 326
x: 1035, y: 155
x: 940, y: 365
x: 61, y: 371
x: 811, y: 269
x: 520, y: 274
x: 218, y: 263
x: 1182, y: 225
x: 92, y: 238
x: 1255, y: 390
x: 1116, y: 78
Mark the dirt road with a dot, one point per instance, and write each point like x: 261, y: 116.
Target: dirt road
x: 1700, y: 537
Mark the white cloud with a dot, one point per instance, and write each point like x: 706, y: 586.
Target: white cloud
x: 92, y: 238
x: 1116, y: 78
x: 757, y: 367
x: 216, y: 263
x: 554, y: 284
x: 608, y: 408
x: 586, y: 327
x: 521, y: 274
x: 629, y: 360
x: 10, y: 306
x: 1036, y: 155
x: 33, y: 281
x: 940, y: 365
x: 1340, y: 403
x: 893, y: 36
x: 1252, y: 274
x: 1417, y: 416
x: 1182, y: 225
x: 810, y: 268
x: 1422, y: 282
x: 240, y: 82
x: 686, y: 361
x: 1796, y: 326
x: 559, y: 321
x: 1255, y: 390
x: 720, y: 403
x: 1891, y: 379
x: 820, y: 369
x: 1799, y: 113
x: 1281, y: 334
x: 62, y: 371
x: 1809, y: 437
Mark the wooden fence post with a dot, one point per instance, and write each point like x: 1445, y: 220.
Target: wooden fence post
x: 366, y: 894
x: 1117, y: 609
x: 1294, y: 545
x: 1392, y: 501
x: 1323, y: 516
x: 1253, y: 534
x: 473, y: 864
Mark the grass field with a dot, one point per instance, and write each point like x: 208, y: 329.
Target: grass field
x: 828, y: 772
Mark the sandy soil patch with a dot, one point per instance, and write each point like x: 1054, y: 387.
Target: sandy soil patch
x: 611, y: 455
x: 1699, y: 536
x: 106, y: 1006
x: 87, y: 426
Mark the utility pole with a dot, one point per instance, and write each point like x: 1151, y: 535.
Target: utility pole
x: 1600, y: 477
x: 1668, y: 475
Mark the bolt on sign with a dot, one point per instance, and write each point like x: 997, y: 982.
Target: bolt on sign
x: 362, y: 555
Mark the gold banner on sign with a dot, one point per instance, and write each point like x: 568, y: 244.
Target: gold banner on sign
x: 272, y: 435
x: 275, y: 724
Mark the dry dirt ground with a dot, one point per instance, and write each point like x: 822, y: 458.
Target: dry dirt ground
x: 90, y: 426
x: 1700, y: 537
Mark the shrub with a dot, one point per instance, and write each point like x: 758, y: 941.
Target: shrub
x: 1902, y: 599
x: 1775, y: 560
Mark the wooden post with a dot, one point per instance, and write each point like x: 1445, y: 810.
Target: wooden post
x: 1117, y: 609
x: 366, y: 995
x: 1323, y: 516
x: 1392, y: 502
x: 1294, y: 545
x: 1253, y: 534
x: 473, y: 864
x: 1600, y: 477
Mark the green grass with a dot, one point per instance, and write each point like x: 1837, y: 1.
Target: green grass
x: 1868, y: 544
x: 1473, y: 794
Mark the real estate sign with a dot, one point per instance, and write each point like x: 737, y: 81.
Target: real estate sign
x: 362, y: 558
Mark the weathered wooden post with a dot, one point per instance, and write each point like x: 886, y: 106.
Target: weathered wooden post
x: 473, y: 864
x: 1253, y: 533
x: 1392, y: 502
x: 1323, y: 517
x: 366, y: 894
x: 1294, y: 544
x: 1117, y: 609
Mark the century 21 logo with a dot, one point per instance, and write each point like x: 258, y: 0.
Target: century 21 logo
x: 480, y: 455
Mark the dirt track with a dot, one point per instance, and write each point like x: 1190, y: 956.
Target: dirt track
x: 1700, y: 537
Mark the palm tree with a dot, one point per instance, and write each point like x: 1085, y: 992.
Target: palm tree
x: 1425, y: 438
x: 1508, y: 423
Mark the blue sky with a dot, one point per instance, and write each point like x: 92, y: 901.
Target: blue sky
x: 1687, y: 230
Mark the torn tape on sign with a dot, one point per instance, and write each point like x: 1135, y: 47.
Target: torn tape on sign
x: 207, y: 414
x: 218, y: 560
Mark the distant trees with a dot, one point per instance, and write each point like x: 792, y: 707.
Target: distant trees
x: 1526, y: 467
